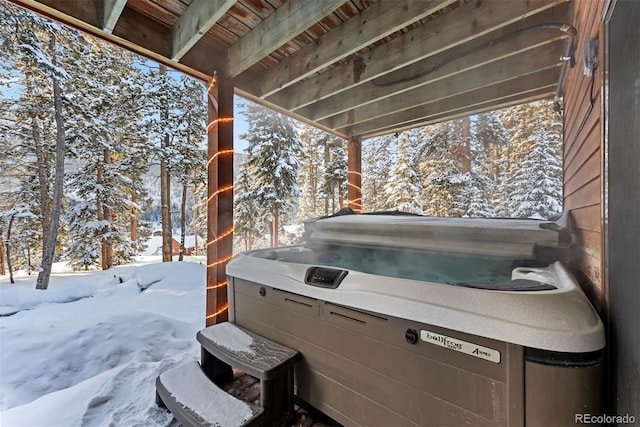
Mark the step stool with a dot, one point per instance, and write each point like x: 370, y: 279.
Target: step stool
x: 229, y: 345
x: 185, y: 390
x: 195, y: 401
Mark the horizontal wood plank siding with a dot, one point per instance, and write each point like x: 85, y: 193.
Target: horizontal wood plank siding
x: 587, y: 195
x: 582, y: 153
x: 588, y: 171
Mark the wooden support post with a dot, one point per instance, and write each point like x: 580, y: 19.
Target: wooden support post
x: 354, y: 174
x: 219, y: 196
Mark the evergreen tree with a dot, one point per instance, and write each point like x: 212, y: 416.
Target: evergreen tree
x: 189, y: 157
x: 248, y: 215
x: 491, y: 139
x: 535, y: 186
x: 162, y: 118
x: 445, y: 184
x: 378, y: 154
x: 42, y: 53
x: 84, y: 249
x: 403, y: 188
x: 323, y: 173
x: 27, y: 117
x: 273, y: 147
x: 479, y: 192
x: 334, y: 188
x: 536, y: 136
x: 110, y: 152
x: 311, y: 170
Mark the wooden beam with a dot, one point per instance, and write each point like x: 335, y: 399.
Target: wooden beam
x: 285, y: 23
x: 516, y: 39
x: 135, y: 32
x: 112, y: 11
x: 79, y: 15
x: 469, y: 101
x: 536, y: 95
x: 249, y: 97
x: 354, y: 174
x: 220, y: 197
x: 451, y: 29
x: 199, y: 17
x: 546, y: 56
x: 143, y: 32
x: 374, y: 23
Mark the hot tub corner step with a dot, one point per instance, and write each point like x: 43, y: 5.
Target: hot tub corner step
x: 196, y: 401
x: 247, y: 351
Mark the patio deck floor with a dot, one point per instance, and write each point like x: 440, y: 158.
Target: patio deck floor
x: 247, y: 388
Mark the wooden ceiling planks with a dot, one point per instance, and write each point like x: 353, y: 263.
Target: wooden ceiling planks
x: 154, y: 11
x: 335, y: 71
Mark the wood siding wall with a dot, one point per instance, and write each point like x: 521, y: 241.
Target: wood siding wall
x: 582, y: 148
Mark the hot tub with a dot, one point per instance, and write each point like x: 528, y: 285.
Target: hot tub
x: 406, y: 320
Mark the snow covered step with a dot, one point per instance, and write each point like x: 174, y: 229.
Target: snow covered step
x: 196, y: 401
x: 272, y: 363
x: 247, y: 351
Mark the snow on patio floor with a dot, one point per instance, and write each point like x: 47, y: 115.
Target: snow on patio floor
x: 87, y: 351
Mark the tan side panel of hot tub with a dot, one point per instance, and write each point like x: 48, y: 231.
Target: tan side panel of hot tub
x: 555, y: 394
x: 358, y: 368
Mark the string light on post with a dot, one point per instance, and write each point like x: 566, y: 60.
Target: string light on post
x: 353, y: 183
x: 220, y: 192
x: 217, y: 313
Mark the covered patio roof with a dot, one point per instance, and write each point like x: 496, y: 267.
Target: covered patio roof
x: 356, y: 68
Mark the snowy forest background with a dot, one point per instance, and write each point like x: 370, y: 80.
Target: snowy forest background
x: 118, y: 123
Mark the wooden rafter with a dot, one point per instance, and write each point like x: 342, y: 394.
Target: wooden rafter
x: 486, y: 75
x: 510, y: 101
x: 194, y: 23
x: 362, y: 30
x: 112, y: 11
x: 450, y: 30
x: 281, y: 26
x: 541, y: 81
x: 516, y: 39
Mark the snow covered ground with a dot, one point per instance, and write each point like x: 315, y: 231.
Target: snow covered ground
x: 86, y: 352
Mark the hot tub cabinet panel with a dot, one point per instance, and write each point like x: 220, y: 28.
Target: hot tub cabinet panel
x: 359, y: 368
x: 556, y: 394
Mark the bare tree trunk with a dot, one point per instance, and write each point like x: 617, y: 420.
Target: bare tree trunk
x: 327, y: 158
x: 165, y: 189
x: 43, y: 172
x: 50, y: 244
x: 314, y: 188
x: 134, y: 222
x: 333, y: 199
x: 183, y: 221
x: 195, y: 219
x: 6, y: 242
x: 100, y: 213
x: 43, y: 178
x: 2, y: 270
x: 107, y: 244
x: 463, y: 154
x: 274, y: 226
x: 28, y: 260
x: 165, y: 202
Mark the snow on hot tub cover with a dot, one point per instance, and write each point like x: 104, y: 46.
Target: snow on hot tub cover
x: 489, y: 236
